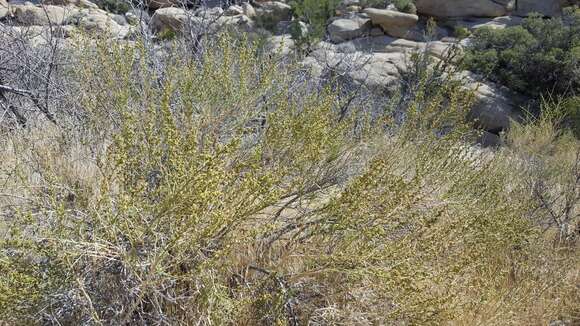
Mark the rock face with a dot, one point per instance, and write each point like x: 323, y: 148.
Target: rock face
x: 387, y: 44
x: 248, y: 10
x: 461, y: 8
x: 274, y: 11
x: 361, y: 52
x: 394, y: 23
x: 169, y: 19
x: 234, y: 10
x: 495, y: 106
x: 544, y: 7
x: 98, y: 22
x: 156, y: 4
x: 280, y: 45
x: 210, y: 20
x: 3, y: 8
x: 495, y: 23
x: 345, y: 29
x: 76, y: 3
x: 28, y: 15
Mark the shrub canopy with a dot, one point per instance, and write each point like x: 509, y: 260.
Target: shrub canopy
x: 542, y: 56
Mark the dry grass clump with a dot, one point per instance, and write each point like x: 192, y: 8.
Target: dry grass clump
x: 225, y: 189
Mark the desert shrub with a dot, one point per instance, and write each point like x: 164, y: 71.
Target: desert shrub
x: 315, y: 13
x: 182, y: 140
x: 224, y: 189
x: 571, y: 109
x: 537, y: 58
x: 430, y: 95
x: 167, y: 35
x: 554, y: 175
x: 406, y: 6
x: 461, y: 32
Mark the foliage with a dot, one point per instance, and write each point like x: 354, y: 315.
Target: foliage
x: 315, y: 13
x: 539, y: 57
x: 571, y: 110
x: 461, y: 32
x: 406, y: 6
x: 225, y: 189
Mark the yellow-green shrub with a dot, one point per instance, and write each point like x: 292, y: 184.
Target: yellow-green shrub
x: 222, y: 189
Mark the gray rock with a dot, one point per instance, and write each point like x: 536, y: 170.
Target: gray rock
x: 135, y: 16
x: 495, y: 106
x: 119, y: 19
x: 488, y: 139
x: 99, y: 22
x: 234, y: 10
x: 344, y: 29
x: 156, y: 4
x: 28, y: 15
x: 248, y: 10
x: 76, y: 3
x: 171, y: 19
x: 544, y: 7
x: 477, y: 23
x: 209, y: 12
x: 273, y: 11
x: 394, y: 23
x: 462, y: 8
x: 280, y: 45
x: 3, y: 8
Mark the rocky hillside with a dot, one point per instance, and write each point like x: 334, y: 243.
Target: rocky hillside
x: 378, y: 41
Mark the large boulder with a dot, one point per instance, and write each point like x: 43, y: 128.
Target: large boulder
x: 344, y: 29
x: 210, y: 13
x: 3, y: 8
x: 99, y: 22
x: 544, y: 7
x: 40, y: 35
x: 239, y: 24
x: 76, y: 3
x: 178, y: 19
x: 394, y: 23
x: 495, y: 23
x: 495, y: 106
x: 377, y: 63
x: 29, y: 15
x: 381, y: 71
x: 234, y: 10
x: 462, y: 8
x: 282, y: 45
x: 248, y: 10
x: 156, y: 4
x: 171, y: 19
x: 273, y: 11
x: 377, y: 72
x: 387, y: 44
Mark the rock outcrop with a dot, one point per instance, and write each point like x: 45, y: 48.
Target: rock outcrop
x: 171, y: 19
x: 273, y: 11
x: 344, y: 29
x: 544, y: 7
x: 462, y: 8
x: 4, y: 10
x: 29, y: 15
x: 156, y: 4
x: 495, y: 106
x: 370, y: 47
x: 394, y: 23
x: 76, y: 3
